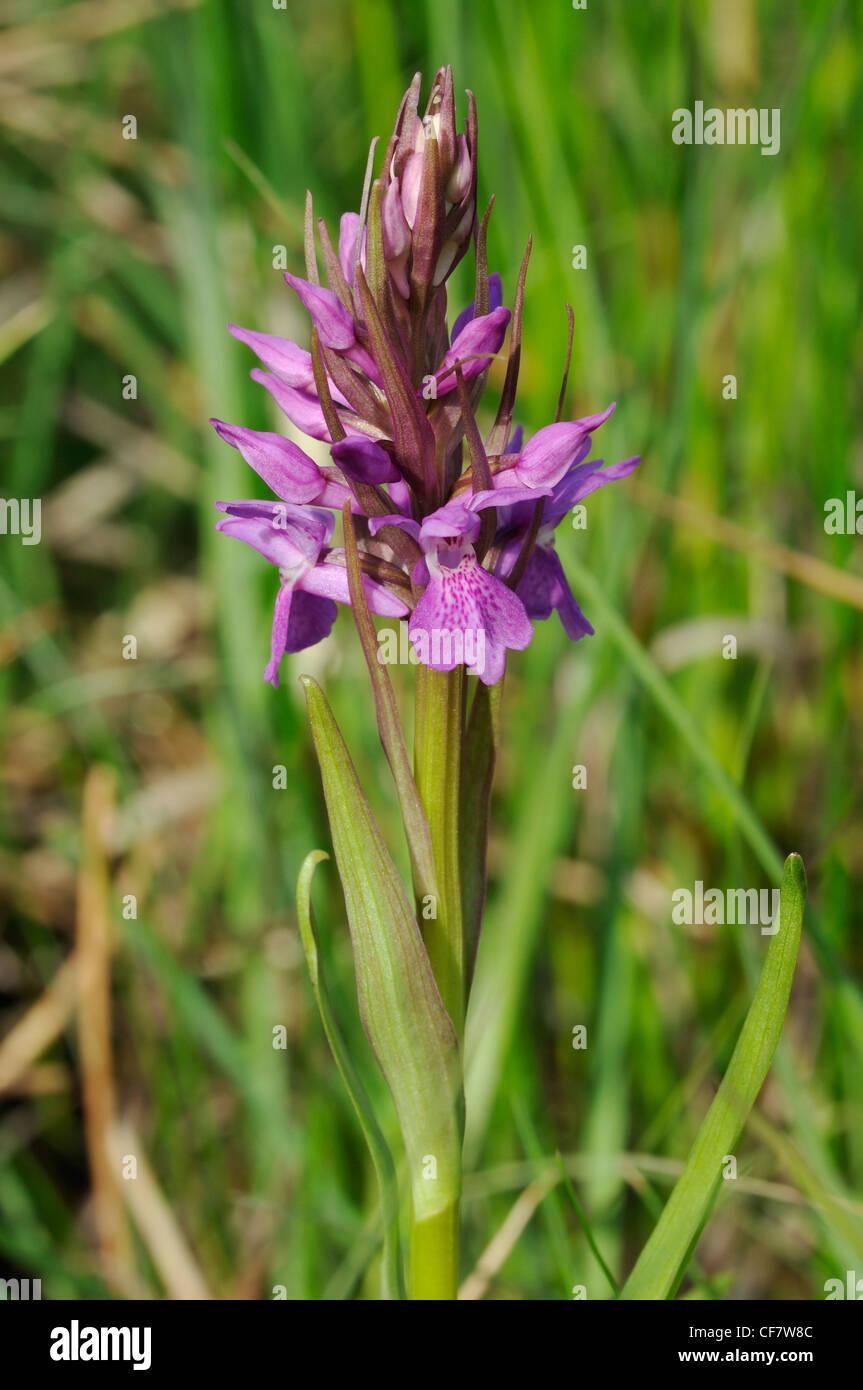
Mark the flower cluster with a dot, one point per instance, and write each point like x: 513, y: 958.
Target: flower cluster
x: 454, y: 530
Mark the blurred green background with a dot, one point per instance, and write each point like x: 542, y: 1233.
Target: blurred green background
x: 128, y: 257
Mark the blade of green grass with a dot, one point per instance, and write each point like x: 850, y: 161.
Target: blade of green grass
x: 663, y: 1261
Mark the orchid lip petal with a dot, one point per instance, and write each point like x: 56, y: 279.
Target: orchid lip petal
x: 468, y: 616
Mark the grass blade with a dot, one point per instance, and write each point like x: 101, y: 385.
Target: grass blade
x: 662, y: 1263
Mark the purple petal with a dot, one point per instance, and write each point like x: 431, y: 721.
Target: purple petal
x: 507, y: 492
x: 284, y: 467
x: 544, y: 587
x: 495, y: 294
x: 301, y: 407
x: 400, y: 495
x: 329, y: 579
x: 292, y: 363
x: 363, y: 359
x: 396, y: 232
x: 456, y: 518
x: 580, y: 482
x: 479, y: 340
x: 514, y: 444
x: 349, y: 227
x: 292, y: 537
x: 460, y: 178
x: 395, y: 519
x: 411, y: 187
x: 364, y: 461
x: 547, y: 456
x: 333, y: 321
x: 300, y: 620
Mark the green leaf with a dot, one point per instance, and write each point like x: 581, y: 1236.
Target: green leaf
x: 392, y: 1282
x: 410, y: 1031
x: 662, y: 1263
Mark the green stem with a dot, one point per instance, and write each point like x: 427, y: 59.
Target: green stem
x: 439, y: 743
x: 434, y: 1256
x: 439, y: 740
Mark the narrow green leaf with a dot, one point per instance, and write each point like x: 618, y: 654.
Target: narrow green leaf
x: 662, y: 1263
x: 392, y: 1281
x: 407, y: 1025
x: 585, y: 1225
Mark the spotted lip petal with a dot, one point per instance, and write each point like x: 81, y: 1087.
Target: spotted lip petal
x: 465, y: 599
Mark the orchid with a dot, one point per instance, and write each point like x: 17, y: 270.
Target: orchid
x: 451, y: 529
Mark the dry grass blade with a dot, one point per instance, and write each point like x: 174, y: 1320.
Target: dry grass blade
x: 503, y: 1243
x: 93, y: 961
x: 808, y: 569
x: 43, y: 1022
x: 156, y: 1223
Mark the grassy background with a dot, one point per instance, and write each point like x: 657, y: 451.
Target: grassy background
x: 129, y: 257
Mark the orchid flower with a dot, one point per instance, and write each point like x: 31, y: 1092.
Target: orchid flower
x: 450, y: 530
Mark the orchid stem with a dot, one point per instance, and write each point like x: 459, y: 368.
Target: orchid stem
x: 434, y: 1256
x: 439, y: 740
